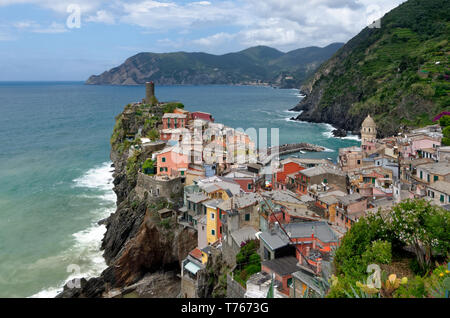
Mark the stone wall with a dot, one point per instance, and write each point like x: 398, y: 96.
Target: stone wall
x: 188, y: 287
x: 234, y: 289
x: 228, y: 253
x: 150, y: 186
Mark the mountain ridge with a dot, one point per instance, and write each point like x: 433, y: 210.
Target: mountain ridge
x: 254, y: 65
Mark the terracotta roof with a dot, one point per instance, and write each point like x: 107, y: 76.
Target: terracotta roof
x: 196, y: 253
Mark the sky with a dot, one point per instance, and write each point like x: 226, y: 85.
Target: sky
x: 64, y: 40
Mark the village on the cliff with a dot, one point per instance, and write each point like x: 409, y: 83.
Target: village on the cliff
x: 292, y: 211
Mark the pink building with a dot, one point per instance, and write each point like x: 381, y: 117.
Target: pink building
x: 421, y: 142
x: 172, y: 162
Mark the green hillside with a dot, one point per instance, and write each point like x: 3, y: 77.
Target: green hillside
x: 398, y: 73
x: 260, y: 64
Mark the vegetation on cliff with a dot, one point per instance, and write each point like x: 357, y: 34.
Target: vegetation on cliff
x: 445, y: 124
x: 248, y: 262
x: 398, y: 73
x: 253, y: 65
x: 410, y: 241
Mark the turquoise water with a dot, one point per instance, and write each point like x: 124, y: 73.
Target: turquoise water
x: 55, y: 179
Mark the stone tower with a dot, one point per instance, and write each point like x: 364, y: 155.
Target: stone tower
x: 149, y: 92
x: 368, y: 131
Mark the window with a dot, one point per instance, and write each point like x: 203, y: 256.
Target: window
x: 250, y: 186
x: 421, y: 175
x: 359, y: 162
x: 428, y: 178
x: 161, y: 169
x: 163, y: 159
x: 212, y: 216
x: 289, y: 282
x: 435, y: 178
x: 247, y: 217
x: 442, y: 199
x: 221, y: 229
x: 213, y: 232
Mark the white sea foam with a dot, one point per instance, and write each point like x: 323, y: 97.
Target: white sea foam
x: 329, y: 133
x: 293, y: 111
x: 97, y: 178
x: 85, y: 251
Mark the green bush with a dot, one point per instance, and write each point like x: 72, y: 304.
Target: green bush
x: 254, y: 258
x: 446, y: 141
x: 240, y: 258
x: 415, y: 288
x: 446, y: 132
x: 252, y: 269
x: 170, y: 107
x: 379, y: 253
x: 153, y: 134
x: 149, y: 167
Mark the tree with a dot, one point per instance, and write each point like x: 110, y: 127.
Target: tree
x: 444, y: 121
x: 170, y: 107
x: 153, y: 134
x: 359, y: 241
x: 423, y: 226
x: 446, y: 133
x: 148, y: 166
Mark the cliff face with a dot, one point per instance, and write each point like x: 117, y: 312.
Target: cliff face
x: 397, y: 73
x: 136, y: 242
x: 254, y: 65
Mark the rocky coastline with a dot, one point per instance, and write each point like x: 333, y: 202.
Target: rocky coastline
x: 137, y: 247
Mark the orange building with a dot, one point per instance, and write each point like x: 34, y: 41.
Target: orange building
x: 172, y: 162
x: 280, y: 177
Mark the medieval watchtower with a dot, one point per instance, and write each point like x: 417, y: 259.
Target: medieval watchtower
x: 149, y: 92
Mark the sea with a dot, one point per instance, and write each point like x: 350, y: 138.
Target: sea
x: 56, y: 175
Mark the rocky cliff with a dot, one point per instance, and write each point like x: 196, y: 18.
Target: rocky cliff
x: 137, y: 244
x: 398, y: 73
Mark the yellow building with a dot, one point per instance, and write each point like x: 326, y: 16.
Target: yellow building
x: 211, y: 220
x: 205, y: 254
